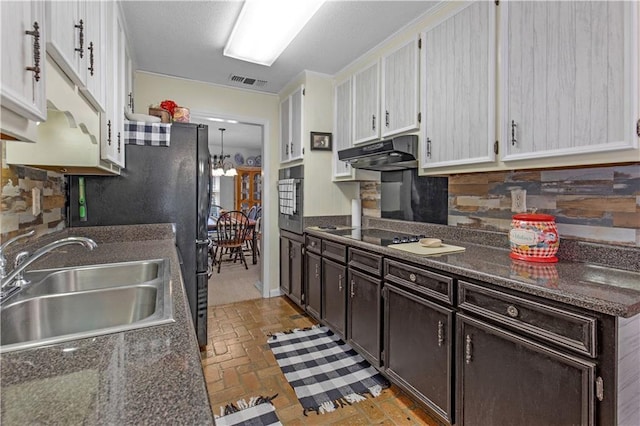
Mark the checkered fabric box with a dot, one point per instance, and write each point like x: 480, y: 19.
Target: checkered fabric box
x: 151, y: 134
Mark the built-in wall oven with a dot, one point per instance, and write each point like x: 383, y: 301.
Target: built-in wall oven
x: 290, y: 199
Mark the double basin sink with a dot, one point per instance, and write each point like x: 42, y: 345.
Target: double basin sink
x: 79, y: 302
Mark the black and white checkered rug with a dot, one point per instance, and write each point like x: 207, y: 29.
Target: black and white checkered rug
x: 325, y: 372
x: 258, y: 411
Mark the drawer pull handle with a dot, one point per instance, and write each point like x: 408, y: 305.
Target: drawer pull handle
x: 413, y: 277
x: 512, y: 311
x: 599, y: 388
x: 440, y: 333
x: 36, y: 51
x: 467, y: 349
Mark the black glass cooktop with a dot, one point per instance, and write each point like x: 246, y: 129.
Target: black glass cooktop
x: 380, y: 237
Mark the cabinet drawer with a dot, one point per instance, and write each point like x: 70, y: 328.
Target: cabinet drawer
x: 567, y: 329
x: 314, y: 244
x: 429, y: 283
x: 335, y: 251
x: 366, y: 262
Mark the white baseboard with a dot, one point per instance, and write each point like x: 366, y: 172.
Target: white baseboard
x: 275, y: 292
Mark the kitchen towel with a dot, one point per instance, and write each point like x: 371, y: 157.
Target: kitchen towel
x: 258, y: 411
x: 356, y: 213
x: 287, y: 196
x: 324, y: 371
x: 142, y: 133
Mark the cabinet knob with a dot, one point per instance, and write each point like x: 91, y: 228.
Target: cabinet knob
x: 413, y: 278
x: 313, y: 243
x: 36, y: 51
x: 512, y: 311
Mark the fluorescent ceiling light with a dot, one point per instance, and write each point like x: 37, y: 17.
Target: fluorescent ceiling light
x: 265, y: 28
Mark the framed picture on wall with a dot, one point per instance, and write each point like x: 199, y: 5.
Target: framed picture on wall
x: 320, y: 141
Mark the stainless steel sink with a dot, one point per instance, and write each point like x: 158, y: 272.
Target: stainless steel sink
x: 74, y: 303
x: 54, y: 281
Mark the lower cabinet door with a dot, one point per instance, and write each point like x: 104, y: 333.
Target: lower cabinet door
x: 296, y: 262
x: 285, y: 275
x: 334, y: 285
x: 418, y: 353
x: 314, y: 285
x: 363, y: 307
x: 507, y: 380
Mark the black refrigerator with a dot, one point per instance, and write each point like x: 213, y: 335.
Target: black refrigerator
x: 160, y: 184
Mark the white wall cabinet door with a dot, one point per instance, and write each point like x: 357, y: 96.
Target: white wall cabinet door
x: 285, y: 137
x: 342, y: 136
x: 23, y: 90
x: 112, y: 124
x: 400, y: 94
x: 291, y: 125
x: 570, y: 77
x: 458, y: 81
x: 66, y: 42
x: 94, y: 69
x: 366, y: 104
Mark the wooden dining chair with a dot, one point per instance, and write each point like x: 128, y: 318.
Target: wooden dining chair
x: 231, y: 234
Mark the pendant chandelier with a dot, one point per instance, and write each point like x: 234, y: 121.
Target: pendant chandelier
x: 220, y: 166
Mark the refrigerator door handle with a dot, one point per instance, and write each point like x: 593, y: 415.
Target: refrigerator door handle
x: 202, y: 242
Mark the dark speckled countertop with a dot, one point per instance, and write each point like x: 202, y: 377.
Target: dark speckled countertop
x: 147, y: 376
x: 596, y: 287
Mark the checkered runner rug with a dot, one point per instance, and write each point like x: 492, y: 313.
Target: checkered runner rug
x: 325, y: 372
x: 258, y: 411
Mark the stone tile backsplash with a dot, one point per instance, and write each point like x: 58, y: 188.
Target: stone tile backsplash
x: 16, y: 184
x: 596, y: 204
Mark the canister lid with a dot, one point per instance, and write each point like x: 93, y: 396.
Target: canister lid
x: 534, y: 217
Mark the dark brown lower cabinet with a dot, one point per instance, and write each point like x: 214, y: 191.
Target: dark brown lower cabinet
x: 363, y: 312
x: 334, y: 288
x: 314, y: 285
x: 504, y: 379
x: 418, y: 351
x: 292, y: 266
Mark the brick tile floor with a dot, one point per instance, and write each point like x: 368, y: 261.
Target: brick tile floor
x: 238, y: 364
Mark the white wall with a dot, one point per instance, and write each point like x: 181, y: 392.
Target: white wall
x: 322, y: 197
x: 252, y: 107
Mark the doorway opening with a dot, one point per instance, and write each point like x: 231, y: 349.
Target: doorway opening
x: 238, y: 143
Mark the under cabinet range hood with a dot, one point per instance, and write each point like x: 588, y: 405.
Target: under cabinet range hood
x: 398, y: 153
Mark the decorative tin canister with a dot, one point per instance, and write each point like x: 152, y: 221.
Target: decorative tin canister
x: 534, y: 238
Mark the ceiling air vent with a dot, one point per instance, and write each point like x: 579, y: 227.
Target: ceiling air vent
x: 247, y: 81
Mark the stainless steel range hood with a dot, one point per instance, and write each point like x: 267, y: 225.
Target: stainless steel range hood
x: 398, y: 153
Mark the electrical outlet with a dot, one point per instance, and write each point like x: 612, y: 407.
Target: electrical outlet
x: 35, y: 201
x: 518, y: 200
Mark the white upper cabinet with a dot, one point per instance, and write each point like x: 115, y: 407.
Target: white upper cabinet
x: 366, y: 104
x: 22, y: 88
x: 291, y: 138
x: 400, y: 94
x: 66, y: 42
x: 93, y: 69
x: 112, y: 122
x: 569, y: 77
x: 458, y: 88
x: 342, y: 127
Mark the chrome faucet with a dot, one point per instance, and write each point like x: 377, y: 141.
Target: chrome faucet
x: 15, y: 279
x: 3, y: 247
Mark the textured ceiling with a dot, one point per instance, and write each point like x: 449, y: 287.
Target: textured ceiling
x: 186, y: 38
